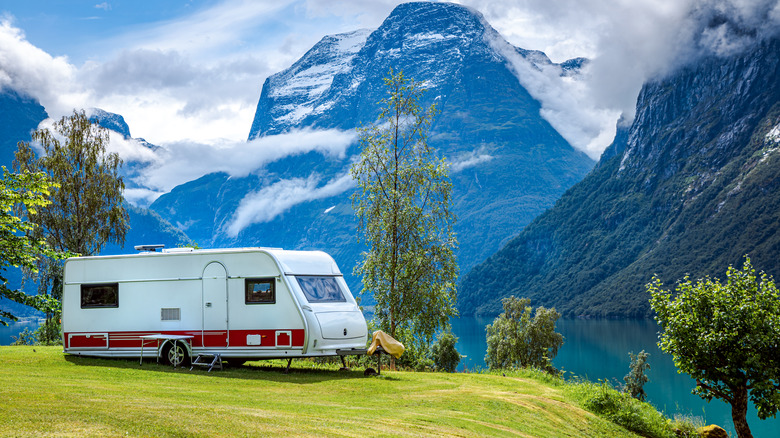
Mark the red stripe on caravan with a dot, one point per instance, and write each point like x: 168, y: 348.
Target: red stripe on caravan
x: 238, y: 338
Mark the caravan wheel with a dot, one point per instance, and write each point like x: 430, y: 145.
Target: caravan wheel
x: 176, y: 354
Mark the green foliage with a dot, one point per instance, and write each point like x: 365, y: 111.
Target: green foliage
x: 86, y: 209
x: 445, y: 356
x: 25, y: 337
x: 636, y: 378
x: 516, y: 340
x: 49, y: 333
x: 21, y: 195
x: 635, y: 415
x: 725, y: 335
x: 403, y: 209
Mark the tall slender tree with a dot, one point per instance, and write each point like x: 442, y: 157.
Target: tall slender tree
x: 403, y: 209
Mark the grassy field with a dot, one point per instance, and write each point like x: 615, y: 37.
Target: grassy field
x: 46, y: 393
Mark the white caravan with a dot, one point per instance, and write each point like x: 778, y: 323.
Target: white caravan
x: 240, y: 304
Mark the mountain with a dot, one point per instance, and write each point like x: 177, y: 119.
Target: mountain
x: 19, y: 116
x: 507, y: 163
x: 689, y: 188
x: 110, y: 121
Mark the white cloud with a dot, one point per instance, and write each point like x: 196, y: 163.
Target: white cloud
x: 628, y: 43
x: 271, y: 201
x: 469, y: 159
x: 104, y: 6
x: 179, y: 162
x: 28, y: 69
x: 191, y: 83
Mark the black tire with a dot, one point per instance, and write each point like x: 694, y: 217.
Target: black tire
x: 175, y: 353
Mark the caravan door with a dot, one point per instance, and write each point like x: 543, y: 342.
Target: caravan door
x: 215, y: 314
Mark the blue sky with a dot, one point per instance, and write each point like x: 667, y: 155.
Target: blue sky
x: 187, y: 75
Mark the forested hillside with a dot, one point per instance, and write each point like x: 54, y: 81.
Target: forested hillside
x: 692, y: 186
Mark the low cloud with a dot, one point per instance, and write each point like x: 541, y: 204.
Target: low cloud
x: 627, y: 42
x: 180, y: 162
x: 469, y: 159
x: 273, y: 200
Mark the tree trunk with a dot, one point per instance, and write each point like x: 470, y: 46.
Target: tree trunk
x: 739, y: 406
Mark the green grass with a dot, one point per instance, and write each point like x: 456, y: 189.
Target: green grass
x: 46, y: 393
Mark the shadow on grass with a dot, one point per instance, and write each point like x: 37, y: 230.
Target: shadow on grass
x: 270, y: 370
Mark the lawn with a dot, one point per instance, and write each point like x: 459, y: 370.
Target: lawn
x: 46, y: 393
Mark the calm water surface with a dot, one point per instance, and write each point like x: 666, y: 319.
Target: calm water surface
x: 7, y: 333
x: 598, y: 349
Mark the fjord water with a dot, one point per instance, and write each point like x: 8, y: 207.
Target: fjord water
x: 11, y: 331
x: 598, y: 350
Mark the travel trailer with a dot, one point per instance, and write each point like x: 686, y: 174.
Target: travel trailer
x: 235, y: 304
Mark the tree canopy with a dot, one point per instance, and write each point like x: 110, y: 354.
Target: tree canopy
x: 87, y: 207
x: 727, y: 337
x: 517, y: 340
x: 403, y: 208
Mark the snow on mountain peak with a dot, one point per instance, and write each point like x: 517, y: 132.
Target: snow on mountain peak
x: 309, y: 78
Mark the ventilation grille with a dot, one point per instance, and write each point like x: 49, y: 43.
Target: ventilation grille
x: 170, y: 314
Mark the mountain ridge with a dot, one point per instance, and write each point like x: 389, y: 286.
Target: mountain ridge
x: 688, y: 188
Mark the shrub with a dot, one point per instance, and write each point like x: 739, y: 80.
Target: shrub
x: 622, y: 409
x: 636, y: 378
x: 25, y: 338
x: 445, y: 356
x: 517, y: 340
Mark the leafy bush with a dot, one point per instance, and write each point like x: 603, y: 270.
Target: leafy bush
x: 516, y: 340
x: 635, y: 415
x: 445, y: 356
x: 25, y: 338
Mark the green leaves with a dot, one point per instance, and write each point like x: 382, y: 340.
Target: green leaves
x: 725, y: 335
x: 22, y: 195
x: 516, y: 340
x: 87, y: 204
x: 403, y: 208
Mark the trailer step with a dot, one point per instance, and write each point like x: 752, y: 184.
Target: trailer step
x: 203, y: 361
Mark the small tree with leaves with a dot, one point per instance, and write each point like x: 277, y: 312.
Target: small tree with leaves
x: 86, y: 208
x: 445, y: 355
x: 22, y: 194
x: 516, y: 339
x: 727, y: 337
x: 403, y: 209
x: 636, y: 378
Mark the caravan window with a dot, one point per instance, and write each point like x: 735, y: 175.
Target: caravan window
x: 321, y: 289
x: 98, y: 296
x: 260, y: 290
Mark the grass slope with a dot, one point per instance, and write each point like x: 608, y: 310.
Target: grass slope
x: 46, y: 393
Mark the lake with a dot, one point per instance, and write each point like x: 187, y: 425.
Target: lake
x: 598, y: 349
x: 13, y: 329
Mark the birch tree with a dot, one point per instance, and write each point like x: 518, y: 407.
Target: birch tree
x: 403, y: 206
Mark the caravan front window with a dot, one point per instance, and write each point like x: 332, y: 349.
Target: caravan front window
x: 321, y: 289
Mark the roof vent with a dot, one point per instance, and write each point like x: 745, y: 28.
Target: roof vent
x: 150, y: 248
